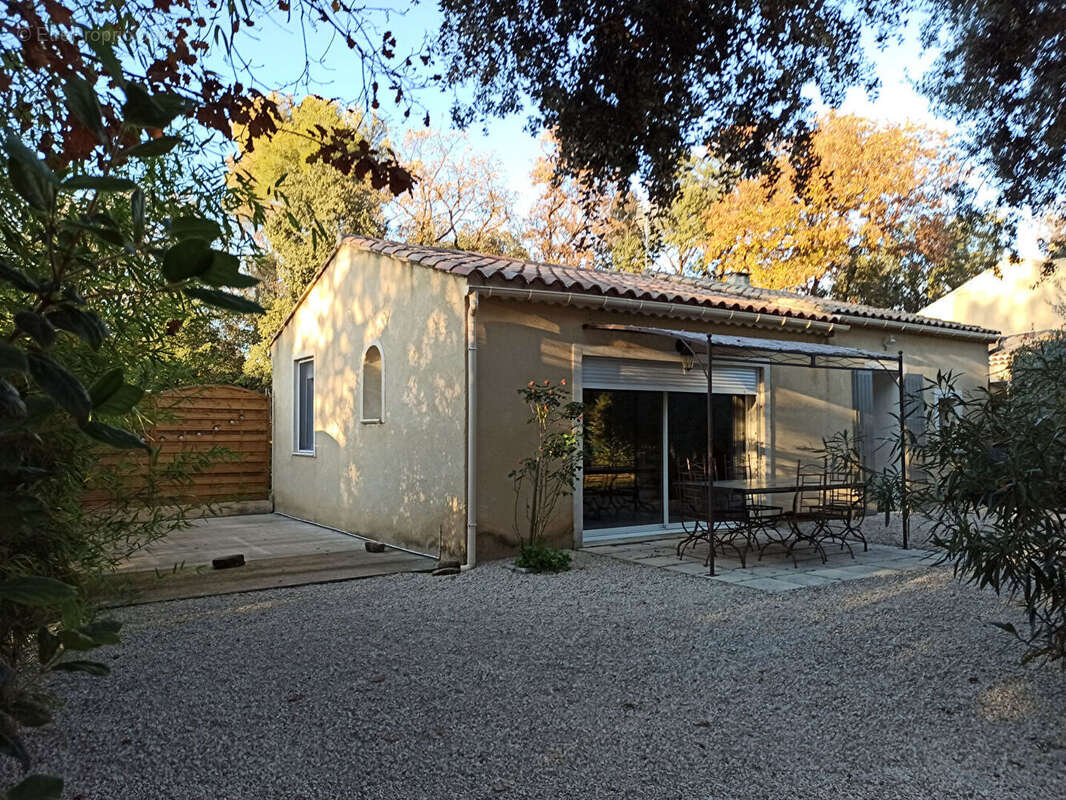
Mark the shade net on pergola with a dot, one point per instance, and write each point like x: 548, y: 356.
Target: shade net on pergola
x: 707, y: 348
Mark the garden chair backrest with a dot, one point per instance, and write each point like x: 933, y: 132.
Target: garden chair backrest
x: 810, y: 479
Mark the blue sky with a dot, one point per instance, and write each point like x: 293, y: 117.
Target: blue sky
x: 275, y: 48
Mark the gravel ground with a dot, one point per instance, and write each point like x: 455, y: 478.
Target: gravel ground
x: 613, y: 680
x: 875, y: 530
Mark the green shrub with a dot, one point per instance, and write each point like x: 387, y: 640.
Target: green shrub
x: 539, y: 558
x: 995, y: 467
x: 543, y: 478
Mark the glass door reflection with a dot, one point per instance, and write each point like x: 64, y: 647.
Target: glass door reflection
x: 623, y: 440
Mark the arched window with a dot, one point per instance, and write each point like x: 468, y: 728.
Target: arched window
x: 373, y: 391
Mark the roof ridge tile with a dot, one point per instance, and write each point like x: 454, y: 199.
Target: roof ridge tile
x: 652, y: 284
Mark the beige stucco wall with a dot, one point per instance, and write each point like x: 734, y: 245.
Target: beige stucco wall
x: 401, y: 481
x: 520, y: 341
x: 1018, y: 300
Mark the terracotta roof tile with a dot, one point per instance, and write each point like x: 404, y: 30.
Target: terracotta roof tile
x: 658, y: 286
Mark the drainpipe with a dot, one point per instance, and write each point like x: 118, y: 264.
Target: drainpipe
x: 471, y: 429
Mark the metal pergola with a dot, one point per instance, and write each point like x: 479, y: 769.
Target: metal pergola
x: 744, y: 350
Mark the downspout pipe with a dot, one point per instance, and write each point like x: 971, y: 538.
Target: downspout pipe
x: 471, y: 430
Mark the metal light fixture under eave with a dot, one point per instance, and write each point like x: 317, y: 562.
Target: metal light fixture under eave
x: 688, y: 358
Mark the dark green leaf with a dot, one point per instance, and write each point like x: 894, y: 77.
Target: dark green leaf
x: 60, y: 385
x: 105, y: 386
x: 105, y: 233
x: 39, y: 406
x: 72, y: 294
x: 16, y: 278
x: 120, y: 401
x: 38, y: 591
x: 194, y: 227
x: 230, y: 302
x: 103, y: 631
x: 20, y: 511
x: 101, y: 42
x: 187, y: 259
x: 85, y: 324
x: 82, y: 102
x: 91, y: 667
x: 12, y: 746
x: 29, y: 713
x: 15, y: 474
x: 137, y: 214
x: 11, y: 401
x: 12, y: 359
x: 47, y: 645
x: 152, y: 111
x: 115, y: 437
x: 153, y: 147
x: 39, y: 328
x: 76, y: 640
x: 225, y: 271
x: 1006, y: 626
x: 30, y: 176
x: 37, y: 787
x: 100, y: 183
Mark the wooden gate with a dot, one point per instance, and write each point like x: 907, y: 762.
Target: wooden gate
x: 231, y: 421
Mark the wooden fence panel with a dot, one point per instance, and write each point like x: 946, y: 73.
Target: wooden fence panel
x: 195, y: 420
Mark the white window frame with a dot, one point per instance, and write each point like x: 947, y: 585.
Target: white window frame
x: 363, y: 418
x: 296, y: 363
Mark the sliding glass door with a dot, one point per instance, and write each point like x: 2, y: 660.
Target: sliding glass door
x: 637, y: 445
x: 686, y: 437
x: 623, y: 479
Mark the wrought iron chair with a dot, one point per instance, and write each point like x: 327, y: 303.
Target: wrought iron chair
x: 734, y: 523
x: 807, y: 505
x: 843, y: 510
x: 763, y: 516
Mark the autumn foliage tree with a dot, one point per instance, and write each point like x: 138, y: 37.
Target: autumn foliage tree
x: 571, y: 223
x: 459, y: 199
x: 306, y: 203
x: 888, y: 218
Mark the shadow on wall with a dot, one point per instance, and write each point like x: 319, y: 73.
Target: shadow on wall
x: 400, y: 480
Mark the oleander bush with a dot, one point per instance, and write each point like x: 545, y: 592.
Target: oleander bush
x: 993, y: 469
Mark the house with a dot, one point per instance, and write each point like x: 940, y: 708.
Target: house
x: 1025, y: 301
x: 396, y: 411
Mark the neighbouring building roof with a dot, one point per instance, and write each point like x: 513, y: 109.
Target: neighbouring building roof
x: 652, y: 286
x: 1013, y: 297
x: 1001, y: 352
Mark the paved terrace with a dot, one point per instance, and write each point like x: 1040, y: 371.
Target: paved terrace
x: 775, y: 571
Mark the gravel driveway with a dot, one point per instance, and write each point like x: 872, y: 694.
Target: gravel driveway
x: 613, y: 680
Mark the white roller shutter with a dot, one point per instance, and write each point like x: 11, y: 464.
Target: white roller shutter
x: 665, y: 376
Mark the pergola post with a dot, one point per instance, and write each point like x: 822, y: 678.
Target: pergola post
x: 903, y: 504
x: 710, y: 455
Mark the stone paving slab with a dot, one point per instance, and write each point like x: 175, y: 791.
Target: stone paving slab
x: 776, y: 571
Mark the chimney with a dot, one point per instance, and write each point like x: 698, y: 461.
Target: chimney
x: 737, y: 278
